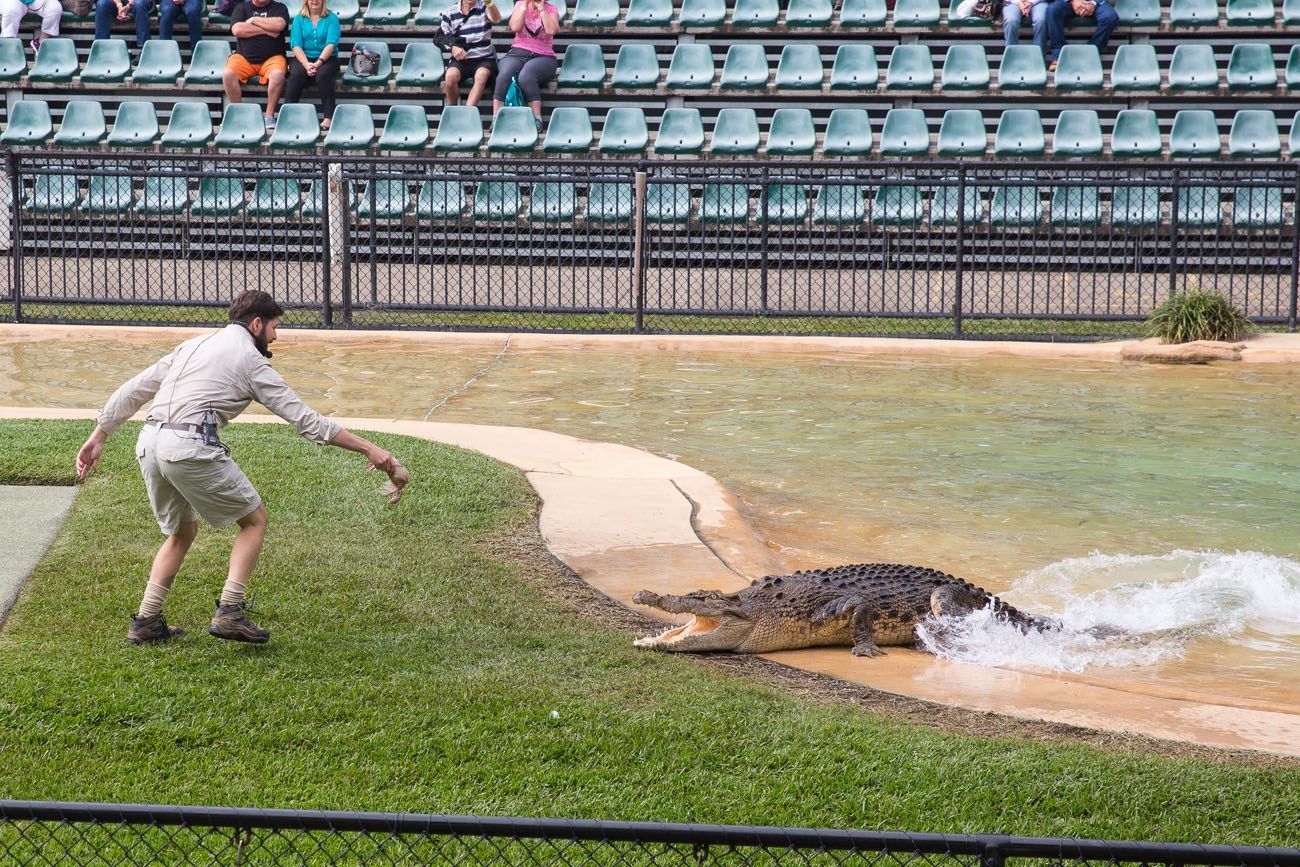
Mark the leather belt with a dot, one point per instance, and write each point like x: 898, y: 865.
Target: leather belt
x: 188, y: 428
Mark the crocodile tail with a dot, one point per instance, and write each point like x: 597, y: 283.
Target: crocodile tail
x: 1010, y: 614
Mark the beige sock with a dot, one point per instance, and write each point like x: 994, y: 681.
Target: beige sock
x: 154, y: 594
x: 232, y: 593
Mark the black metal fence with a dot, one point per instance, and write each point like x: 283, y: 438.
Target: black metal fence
x: 48, y: 832
x: 1028, y: 249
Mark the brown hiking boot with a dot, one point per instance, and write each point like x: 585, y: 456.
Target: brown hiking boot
x: 230, y: 622
x: 145, y: 630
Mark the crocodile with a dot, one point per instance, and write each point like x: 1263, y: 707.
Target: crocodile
x: 864, y: 606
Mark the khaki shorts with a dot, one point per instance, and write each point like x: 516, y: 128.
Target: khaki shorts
x: 186, y: 479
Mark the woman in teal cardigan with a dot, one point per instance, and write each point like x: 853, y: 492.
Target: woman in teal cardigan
x: 314, y: 54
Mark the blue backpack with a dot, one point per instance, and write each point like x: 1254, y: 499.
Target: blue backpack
x: 514, y: 96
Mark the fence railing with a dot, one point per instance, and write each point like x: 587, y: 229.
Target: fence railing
x: 49, y: 832
x: 1027, y: 249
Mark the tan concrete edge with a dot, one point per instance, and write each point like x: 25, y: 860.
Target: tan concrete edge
x: 624, y: 519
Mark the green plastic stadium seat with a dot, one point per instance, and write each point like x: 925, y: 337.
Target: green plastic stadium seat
x: 296, y: 127
x: 636, y: 67
x: 1254, y: 135
x: 1079, y: 68
x: 681, y: 131
x: 1257, y: 208
x: 745, y: 68
x: 649, y: 13
x: 1015, y: 206
x: 1075, y: 206
x: 553, y: 202
x: 1193, y: 13
x: 387, y: 12
x: 668, y: 203
x: 809, y: 13
x: 800, y: 68
x: 1251, y: 67
x: 1249, y: 13
x: 569, y: 131
x: 755, y: 13
x: 1022, y: 68
x: 916, y: 13
x: 56, y: 61
x: 735, y: 131
x: 910, y: 68
x: 839, y: 205
x: 724, y: 203
x: 54, y: 194
x: 1077, y: 134
x: 702, y: 13
x: 136, y: 124
x: 624, y: 132
x: 791, y: 133
x: 905, y: 133
x: 108, y: 62
x: 422, y: 66
x: 691, y: 68
x: 82, y: 126
x: 190, y: 126
x: 108, y: 194
x: 460, y: 128
x: 897, y: 205
x: 1138, y: 13
x: 164, y: 195
x: 497, y: 200
x: 583, y: 66
x: 219, y: 197
x: 275, y: 197
x: 595, y: 13
x: 786, y: 203
x: 1020, y: 134
x: 440, y: 200
x: 160, y: 63
x: 1135, y: 207
x: 1135, y: 68
x: 855, y: 68
x: 848, y: 133
x: 609, y: 202
x: 384, y: 199
x: 352, y: 128
x: 514, y: 130
x: 1290, y: 12
x: 1195, y: 134
x: 208, y: 62
x: 242, y: 127
x: 944, y: 210
x: 561, y: 9
x: 1136, y: 134
x: 383, y: 70
x: 1293, y: 138
x: 1198, y: 207
x: 1192, y: 67
x: 405, y: 129
x: 962, y: 133
x: 13, y: 59
x: 313, y: 204
x: 1293, y: 67
x: 428, y: 13
x: 29, y: 123
x: 965, y: 67
x: 862, y: 13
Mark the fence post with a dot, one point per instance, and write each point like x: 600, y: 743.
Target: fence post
x: 638, y: 248
x: 1173, y: 238
x: 762, y: 262
x: 961, y: 250
x: 992, y: 855
x: 338, y: 232
x: 16, y: 240
x: 327, y: 261
x: 1295, y: 265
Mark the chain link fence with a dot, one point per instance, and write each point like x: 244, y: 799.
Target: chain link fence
x: 964, y: 249
x: 44, y: 832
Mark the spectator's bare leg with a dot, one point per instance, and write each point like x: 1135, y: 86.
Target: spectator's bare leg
x: 536, y: 106
x: 451, y: 86
x: 481, y: 77
x: 274, y: 88
x: 230, y: 82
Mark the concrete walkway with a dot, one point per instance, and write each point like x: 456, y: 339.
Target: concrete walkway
x: 30, y: 518
x: 625, y: 520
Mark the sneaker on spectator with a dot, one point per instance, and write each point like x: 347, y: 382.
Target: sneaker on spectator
x: 36, y: 44
x: 541, y: 124
x: 270, y: 120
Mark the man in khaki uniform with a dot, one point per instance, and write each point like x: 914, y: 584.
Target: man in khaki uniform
x: 188, y: 472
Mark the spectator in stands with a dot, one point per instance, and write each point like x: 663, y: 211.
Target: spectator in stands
x: 259, y: 27
x: 1013, y: 12
x: 171, y: 9
x: 467, y: 25
x: 1058, y: 16
x: 13, y: 11
x: 531, y: 57
x: 314, y: 42
x: 108, y: 11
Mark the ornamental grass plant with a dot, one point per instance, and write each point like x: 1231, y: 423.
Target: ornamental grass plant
x: 1198, y: 315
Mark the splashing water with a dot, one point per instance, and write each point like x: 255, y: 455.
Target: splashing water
x: 1158, y: 604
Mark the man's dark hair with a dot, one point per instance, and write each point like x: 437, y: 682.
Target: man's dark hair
x: 252, y: 303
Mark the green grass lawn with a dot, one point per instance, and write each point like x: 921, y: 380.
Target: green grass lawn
x: 415, y: 662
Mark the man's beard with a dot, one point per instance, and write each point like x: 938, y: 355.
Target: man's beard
x: 261, y: 344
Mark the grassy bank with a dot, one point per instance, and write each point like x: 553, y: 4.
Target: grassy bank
x: 414, y: 665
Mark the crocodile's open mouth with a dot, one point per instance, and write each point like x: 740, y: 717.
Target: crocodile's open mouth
x: 696, y: 626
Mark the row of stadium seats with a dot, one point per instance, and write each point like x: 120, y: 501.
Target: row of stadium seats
x: 783, y: 203
x: 791, y: 132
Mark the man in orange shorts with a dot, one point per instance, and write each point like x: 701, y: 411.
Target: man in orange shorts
x: 259, y: 27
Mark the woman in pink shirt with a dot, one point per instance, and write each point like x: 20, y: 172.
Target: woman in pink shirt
x: 531, y: 58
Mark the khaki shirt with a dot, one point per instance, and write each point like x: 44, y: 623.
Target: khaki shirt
x: 223, y: 372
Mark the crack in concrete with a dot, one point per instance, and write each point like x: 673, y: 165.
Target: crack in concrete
x: 456, y: 391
